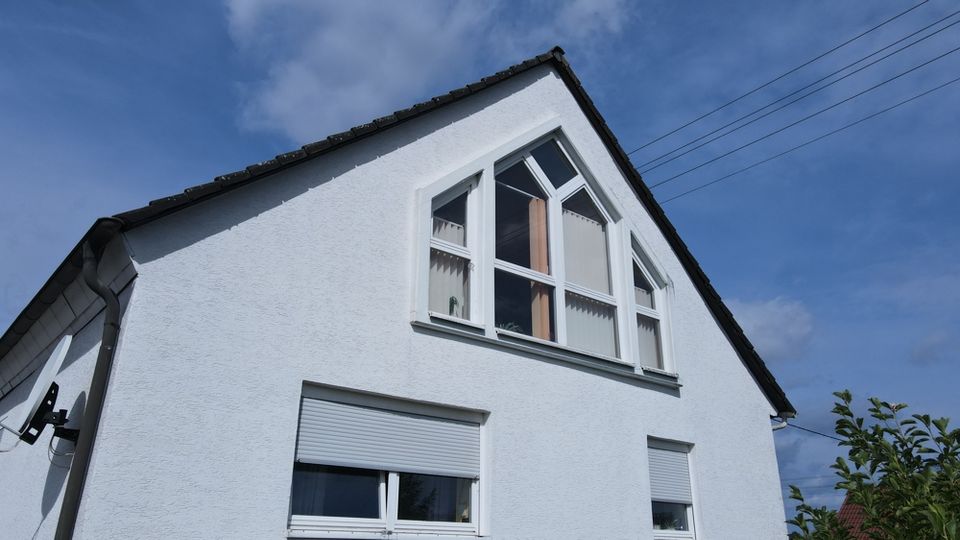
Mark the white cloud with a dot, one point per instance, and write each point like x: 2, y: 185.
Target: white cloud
x: 330, y: 65
x: 779, y: 328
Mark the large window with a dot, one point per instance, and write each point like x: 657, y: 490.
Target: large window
x: 525, y: 248
x: 368, y: 463
x: 670, y: 490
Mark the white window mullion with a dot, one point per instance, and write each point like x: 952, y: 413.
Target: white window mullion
x: 524, y: 272
x: 474, y: 236
x: 487, y: 249
x: 555, y: 228
x: 452, y: 249
x: 393, y: 496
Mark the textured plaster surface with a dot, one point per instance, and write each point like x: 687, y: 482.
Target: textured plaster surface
x: 307, y: 276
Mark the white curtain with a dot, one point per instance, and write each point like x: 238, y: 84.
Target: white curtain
x: 585, y: 252
x: 449, y: 231
x: 449, y: 285
x: 591, y: 325
x: 648, y: 334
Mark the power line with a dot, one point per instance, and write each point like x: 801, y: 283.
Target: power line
x: 805, y: 118
x: 797, y: 91
x: 811, y: 141
x: 768, y: 83
x: 808, y: 430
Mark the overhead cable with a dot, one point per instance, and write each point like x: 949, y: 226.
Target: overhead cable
x: 797, y: 91
x: 775, y: 79
x: 805, y: 118
x: 811, y: 141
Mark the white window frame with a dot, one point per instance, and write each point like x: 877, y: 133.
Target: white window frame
x: 467, y: 251
x: 304, y: 526
x: 478, y: 177
x: 691, y: 512
x: 652, y: 270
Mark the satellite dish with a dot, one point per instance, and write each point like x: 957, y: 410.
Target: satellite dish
x: 35, y: 413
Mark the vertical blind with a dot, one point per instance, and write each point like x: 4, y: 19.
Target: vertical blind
x: 347, y: 435
x: 585, y: 248
x: 449, y: 231
x: 648, y: 339
x: 591, y: 325
x: 449, y: 284
x: 669, y: 476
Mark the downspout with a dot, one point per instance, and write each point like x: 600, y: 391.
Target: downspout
x: 93, y: 247
x: 780, y: 425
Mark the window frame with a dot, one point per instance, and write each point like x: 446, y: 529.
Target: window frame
x: 641, y: 255
x: 309, y: 526
x: 688, y: 450
x: 466, y: 251
x: 481, y: 222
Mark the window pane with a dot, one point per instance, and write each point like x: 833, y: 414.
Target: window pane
x: 450, y: 221
x: 648, y: 332
x: 521, y: 219
x: 585, y: 243
x: 449, y: 284
x: 523, y: 306
x: 670, y: 516
x: 554, y: 164
x: 425, y: 497
x: 642, y: 288
x: 591, y: 325
x: 319, y: 490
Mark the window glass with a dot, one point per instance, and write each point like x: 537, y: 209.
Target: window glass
x: 425, y: 497
x: 585, y: 243
x: 320, y: 490
x: 554, y: 164
x: 523, y: 306
x: 450, y: 221
x: 670, y: 516
x: 648, y: 334
x: 521, y: 219
x: 591, y: 325
x: 449, y: 284
x: 642, y: 289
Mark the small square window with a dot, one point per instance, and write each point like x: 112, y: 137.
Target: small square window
x: 320, y: 490
x: 450, y: 221
x: 523, y: 306
x: 449, y: 284
x: 648, y: 340
x: 426, y: 497
x: 553, y: 163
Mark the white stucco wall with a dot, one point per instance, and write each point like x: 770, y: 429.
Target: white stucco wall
x: 307, y: 276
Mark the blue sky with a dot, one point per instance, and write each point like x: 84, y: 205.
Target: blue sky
x: 842, y: 259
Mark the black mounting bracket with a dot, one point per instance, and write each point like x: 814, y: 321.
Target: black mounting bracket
x: 47, y: 415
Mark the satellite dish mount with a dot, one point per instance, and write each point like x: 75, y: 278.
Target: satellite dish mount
x: 38, y: 411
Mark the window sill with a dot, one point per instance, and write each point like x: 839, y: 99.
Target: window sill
x: 341, y: 534
x: 454, y: 320
x: 545, y: 343
x: 538, y: 347
x: 660, y: 372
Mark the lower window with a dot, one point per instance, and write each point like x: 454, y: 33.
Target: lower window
x: 375, y: 465
x: 671, y: 492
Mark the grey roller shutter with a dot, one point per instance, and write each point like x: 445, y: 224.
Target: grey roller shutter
x: 669, y: 476
x: 348, y: 435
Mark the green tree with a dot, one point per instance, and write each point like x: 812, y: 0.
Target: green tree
x: 903, y: 470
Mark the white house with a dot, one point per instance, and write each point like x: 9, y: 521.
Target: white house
x: 467, y: 319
